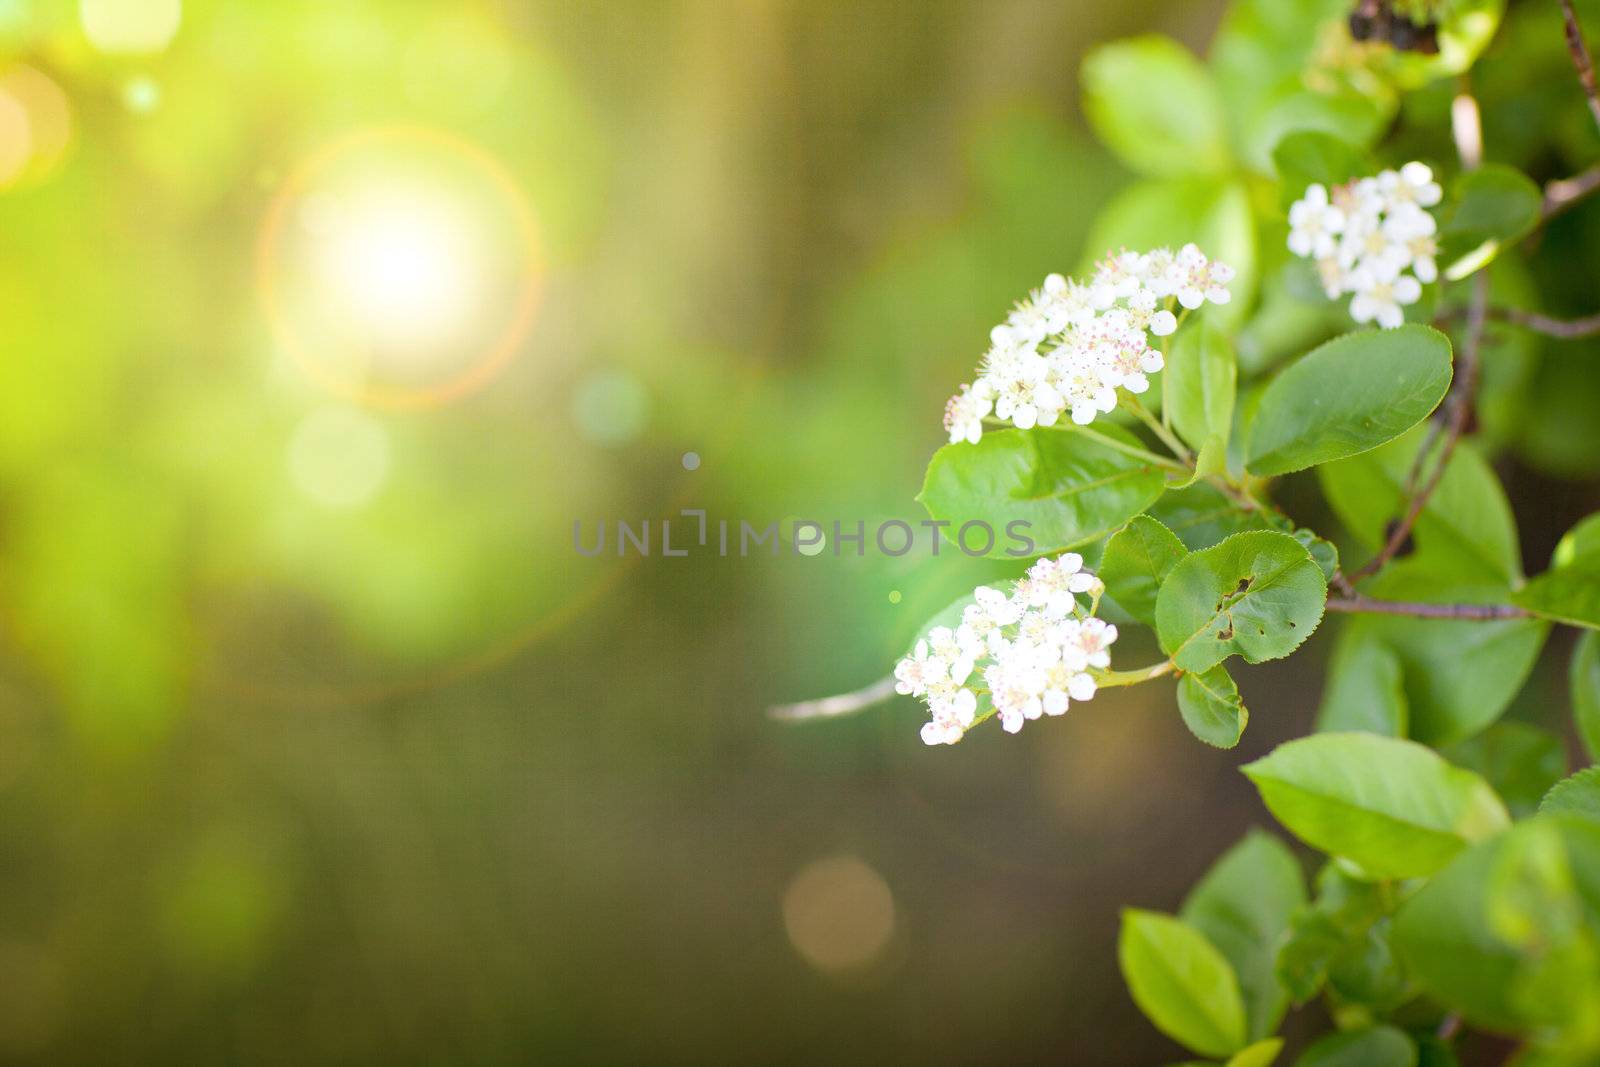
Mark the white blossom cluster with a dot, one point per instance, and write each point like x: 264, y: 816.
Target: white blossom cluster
x: 1366, y: 235
x: 1030, y: 653
x: 1069, y: 346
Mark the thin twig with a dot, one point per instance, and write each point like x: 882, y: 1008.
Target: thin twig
x: 1587, y: 326
x: 1359, y: 605
x: 1563, y: 193
x: 1458, y: 405
x: 829, y: 707
x: 1341, y: 583
x: 1419, y: 461
x: 1580, y: 59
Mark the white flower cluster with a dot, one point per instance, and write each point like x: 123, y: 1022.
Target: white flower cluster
x: 1069, y: 346
x: 1366, y: 234
x: 1031, y: 652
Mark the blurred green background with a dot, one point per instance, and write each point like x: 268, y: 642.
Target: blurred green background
x: 317, y: 738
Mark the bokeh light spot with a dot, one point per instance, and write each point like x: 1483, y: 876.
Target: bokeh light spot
x: 399, y: 267
x: 16, y: 139
x: 610, y: 407
x: 117, y: 26
x: 403, y: 265
x: 691, y: 461
x: 339, y: 457
x: 141, y: 95
x: 33, y: 148
x: 805, y: 536
x: 839, y: 914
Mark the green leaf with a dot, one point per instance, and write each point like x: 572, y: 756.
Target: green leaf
x: 1492, y: 935
x: 1293, y: 106
x: 1243, y: 906
x: 1392, y: 807
x: 1324, y: 552
x: 1199, y: 386
x: 1311, y: 157
x: 1569, y: 591
x: 1365, y: 687
x: 1459, y: 674
x: 1347, y: 396
x: 1257, y: 594
x: 1494, y: 206
x: 1067, y: 486
x: 1520, y: 761
x: 1368, y: 972
x: 1260, y: 1054
x: 1136, y: 561
x: 1266, y: 57
x: 1379, y: 1046
x: 1584, y: 680
x: 1329, y: 932
x: 1466, y: 527
x: 1201, y: 515
x: 1210, y: 705
x: 1154, y: 104
x: 1216, y: 215
x: 1181, y: 982
x: 1577, y: 795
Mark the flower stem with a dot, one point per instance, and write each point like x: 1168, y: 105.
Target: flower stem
x: 1112, y: 443
x: 1110, y: 679
x: 1142, y: 413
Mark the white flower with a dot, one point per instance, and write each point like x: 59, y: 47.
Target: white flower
x: 917, y: 671
x: 964, y: 412
x: 1086, y: 392
x: 997, y: 605
x: 1371, y: 239
x: 1042, y: 313
x: 1383, y: 300
x: 1407, y: 221
x: 1023, y: 654
x: 957, y: 649
x: 1017, y: 689
x: 1023, y: 394
x: 1423, y: 248
x: 1068, y: 346
x: 1313, y: 224
x: 1051, y: 584
x: 1094, y: 638
x: 1411, y: 184
x: 1199, y: 280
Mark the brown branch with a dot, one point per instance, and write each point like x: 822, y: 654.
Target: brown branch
x: 1580, y: 59
x: 1358, y: 605
x: 1458, y: 405
x: 1587, y: 326
x: 1563, y: 193
x: 843, y: 704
